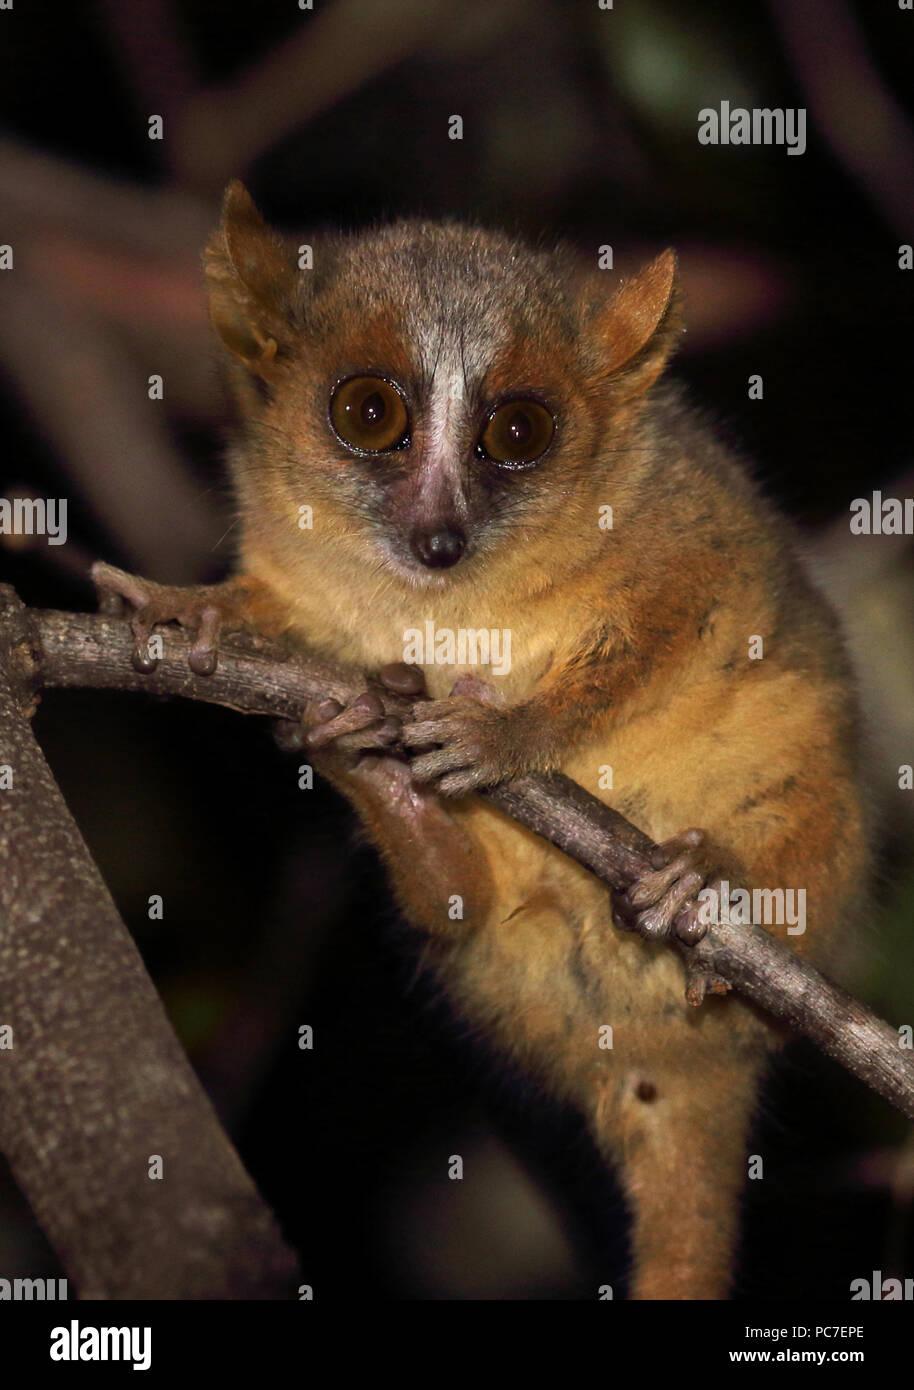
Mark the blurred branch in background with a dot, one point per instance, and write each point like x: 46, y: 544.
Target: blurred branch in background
x: 869, y: 133
x: 157, y: 62
x: 91, y: 398
x: 870, y: 580
x: 102, y: 276
x: 222, y: 130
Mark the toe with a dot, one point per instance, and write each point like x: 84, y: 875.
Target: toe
x: 384, y: 734
x: 401, y: 679
x: 677, y: 846
x: 204, y: 652
x: 476, y: 688
x: 141, y: 625
x: 459, y: 783
x: 362, y: 711
x: 651, y: 887
x: 658, y: 919
x: 425, y: 731
x: 688, y: 924
x: 429, y: 766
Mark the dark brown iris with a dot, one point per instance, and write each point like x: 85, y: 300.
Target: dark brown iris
x: 517, y: 432
x: 369, y: 414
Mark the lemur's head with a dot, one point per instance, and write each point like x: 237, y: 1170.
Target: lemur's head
x: 434, y: 390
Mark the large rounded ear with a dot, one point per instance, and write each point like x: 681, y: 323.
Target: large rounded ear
x: 251, y: 281
x: 629, y: 338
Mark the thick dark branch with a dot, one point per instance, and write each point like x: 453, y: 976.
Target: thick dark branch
x: 259, y: 678
x: 95, y: 1082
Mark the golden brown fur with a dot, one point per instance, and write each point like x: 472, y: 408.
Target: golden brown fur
x: 631, y: 649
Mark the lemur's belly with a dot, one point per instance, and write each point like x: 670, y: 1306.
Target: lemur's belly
x: 552, y: 981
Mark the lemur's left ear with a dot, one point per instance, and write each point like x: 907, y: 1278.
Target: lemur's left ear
x: 632, y: 335
x: 251, y: 282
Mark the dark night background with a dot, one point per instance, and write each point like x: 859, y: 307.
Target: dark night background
x: 578, y: 123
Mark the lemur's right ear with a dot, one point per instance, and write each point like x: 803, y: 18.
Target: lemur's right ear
x: 252, y: 281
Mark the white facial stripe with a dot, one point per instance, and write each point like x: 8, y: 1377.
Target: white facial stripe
x: 445, y: 410
x: 451, y: 363
x: 440, y: 473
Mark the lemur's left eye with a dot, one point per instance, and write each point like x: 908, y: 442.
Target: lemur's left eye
x: 517, y: 433
x: 368, y: 413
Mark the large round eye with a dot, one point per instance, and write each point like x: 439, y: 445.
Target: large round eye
x: 368, y: 413
x: 517, y: 432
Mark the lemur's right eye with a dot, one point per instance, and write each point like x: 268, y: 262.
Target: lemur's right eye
x: 369, y: 414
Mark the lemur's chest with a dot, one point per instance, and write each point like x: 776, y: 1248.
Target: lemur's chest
x: 514, y: 653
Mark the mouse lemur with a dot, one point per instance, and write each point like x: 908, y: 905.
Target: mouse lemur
x: 459, y: 412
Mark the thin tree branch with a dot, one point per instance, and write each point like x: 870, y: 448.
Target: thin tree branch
x: 257, y: 677
x: 95, y: 1083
